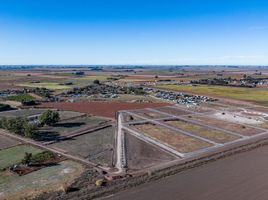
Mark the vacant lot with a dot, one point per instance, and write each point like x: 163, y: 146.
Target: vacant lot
x: 173, y: 111
x: 15, y: 154
x: 142, y: 155
x: 66, y: 115
x: 149, y: 114
x: 47, y: 179
x: 106, y: 109
x: 259, y: 96
x: 6, y: 142
x: 130, y: 118
x: 68, y: 127
x: 214, y: 135
x: 96, y: 146
x: 178, y: 141
x: 22, y: 113
x: 238, y: 128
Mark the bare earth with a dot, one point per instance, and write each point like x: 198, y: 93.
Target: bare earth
x: 240, y: 177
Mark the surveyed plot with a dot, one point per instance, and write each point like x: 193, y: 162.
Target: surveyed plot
x: 213, y: 135
x: 178, y: 141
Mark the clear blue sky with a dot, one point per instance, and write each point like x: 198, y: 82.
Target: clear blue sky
x: 134, y: 32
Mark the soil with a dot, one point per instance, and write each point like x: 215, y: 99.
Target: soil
x: 106, y: 109
x: 141, y: 155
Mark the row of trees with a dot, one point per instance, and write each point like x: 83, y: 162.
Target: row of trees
x: 19, y: 125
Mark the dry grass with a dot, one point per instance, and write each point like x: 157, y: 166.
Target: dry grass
x: 214, y: 135
x: 178, y: 141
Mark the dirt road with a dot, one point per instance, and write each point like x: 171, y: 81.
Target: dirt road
x: 240, y: 177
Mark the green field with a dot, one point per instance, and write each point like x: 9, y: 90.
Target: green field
x: 259, y: 96
x: 48, y: 85
x: 15, y: 154
x: 20, y: 97
x: 92, y: 78
x: 47, y: 179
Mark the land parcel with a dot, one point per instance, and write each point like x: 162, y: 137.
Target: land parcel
x: 259, y: 96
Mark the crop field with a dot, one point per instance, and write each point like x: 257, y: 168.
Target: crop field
x: 67, y: 127
x: 95, y: 146
x: 92, y: 78
x: 15, y: 154
x: 20, y: 97
x: 214, y: 135
x: 259, y: 96
x: 182, y: 143
x: 47, y: 179
x: 238, y: 128
x: 105, y: 109
x: 22, y: 113
x: 6, y: 142
x: 48, y: 85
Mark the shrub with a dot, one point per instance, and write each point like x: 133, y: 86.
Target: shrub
x: 4, y: 107
x: 49, y: 117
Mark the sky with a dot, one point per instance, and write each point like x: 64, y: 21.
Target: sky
x: 139, y: 32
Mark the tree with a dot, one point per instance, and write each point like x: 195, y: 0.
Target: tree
x: 27, y: 158
x: 29, y: 130
x: 96, y: 82
x: 49, y: 117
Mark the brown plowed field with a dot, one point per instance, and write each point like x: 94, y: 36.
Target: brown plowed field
x: 106, y: 109
x: 240, y: 177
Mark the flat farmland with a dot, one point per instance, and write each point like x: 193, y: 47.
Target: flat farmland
x: 105, y: 109
x: 142, y: 155
x: 238, y: 128
x: 239, y: 177
x: 182, y: 143
x: 48, y: 85
x: 15, y: 154
x: 256, y: 95
x: 48, y: 179
x: 95, y: 146
x: 214, y: 135
x: 6, y: 142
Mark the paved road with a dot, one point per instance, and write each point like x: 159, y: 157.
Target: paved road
x: 240, y: 177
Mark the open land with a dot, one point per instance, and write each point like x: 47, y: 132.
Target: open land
x: 15, y: 154
x: 105, y: 109
x: 120, y: 127
x: 242, y: 177
x: 259, y: 96
x: 96, y: 146
x: 47, y: 179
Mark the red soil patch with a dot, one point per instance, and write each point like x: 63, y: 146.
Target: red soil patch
x: 105, y: 109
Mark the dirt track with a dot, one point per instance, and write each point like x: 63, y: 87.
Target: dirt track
x: 243, y: 176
